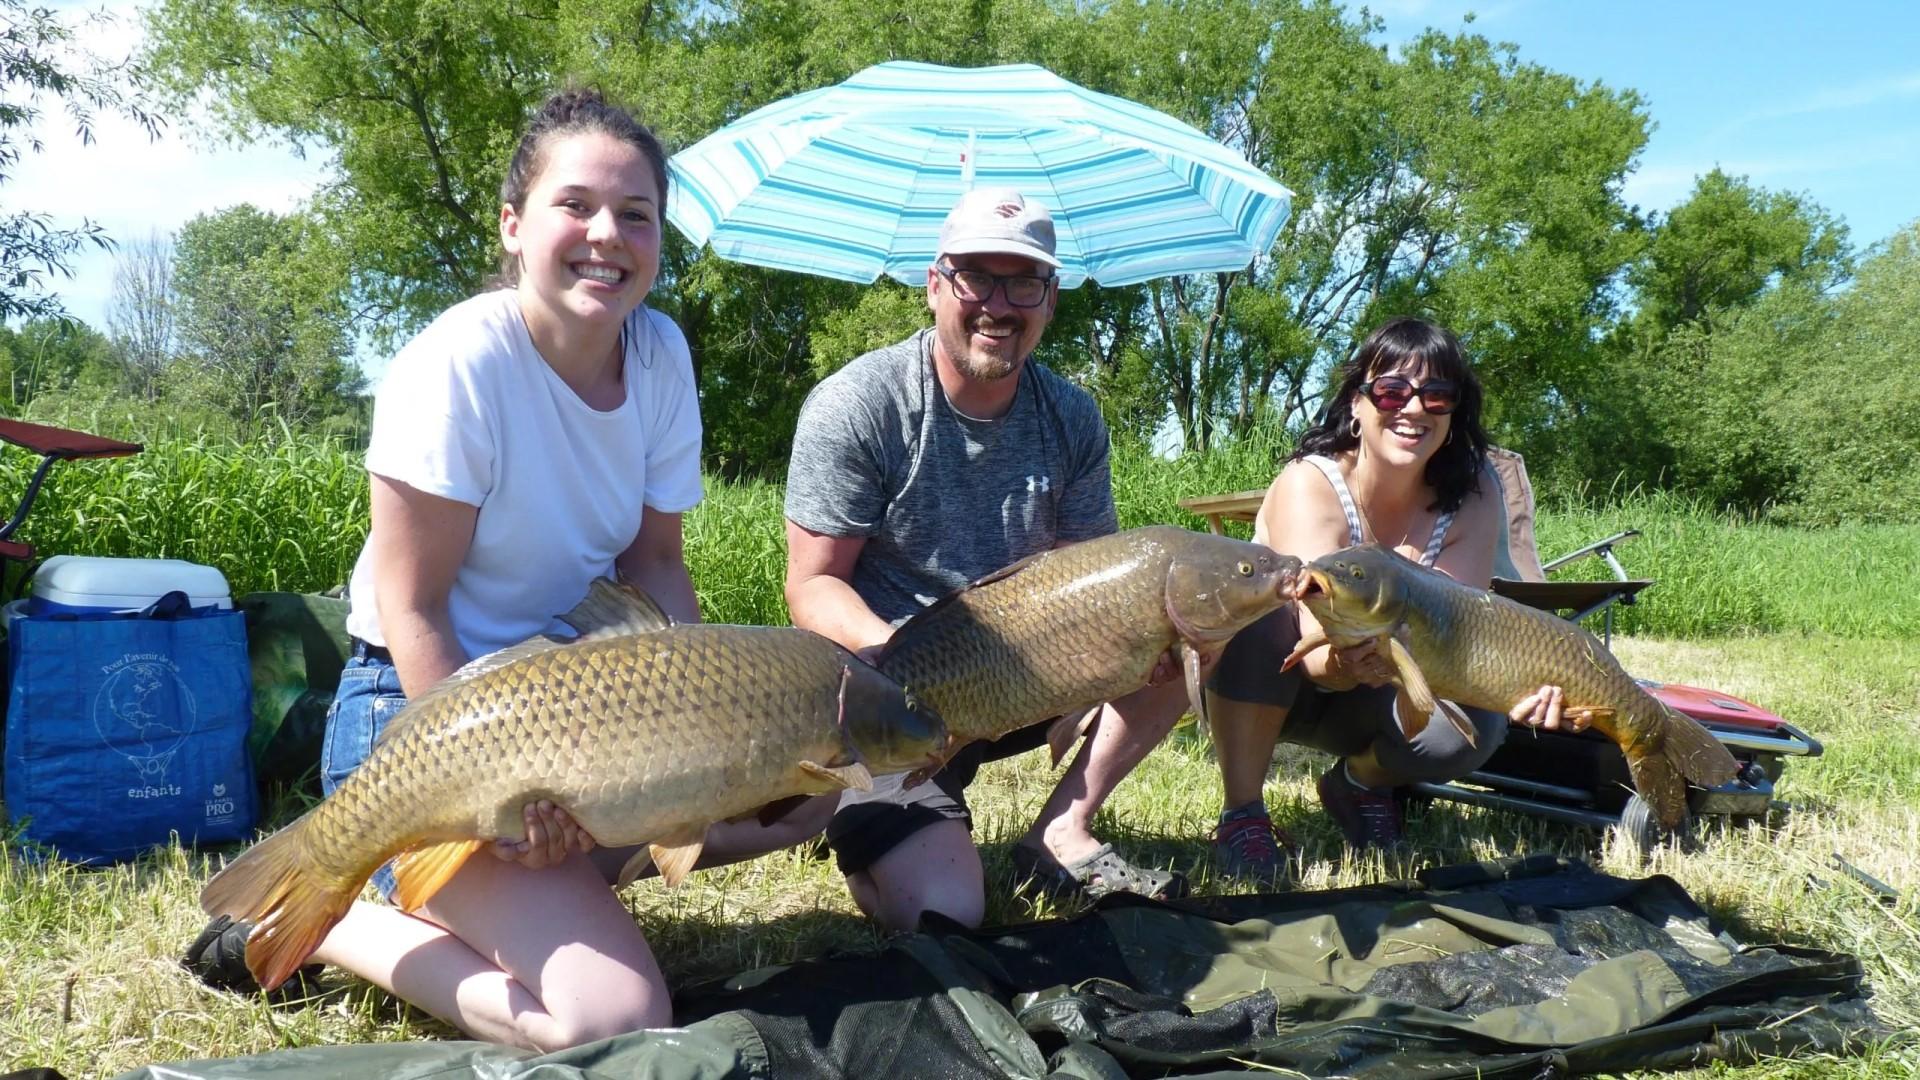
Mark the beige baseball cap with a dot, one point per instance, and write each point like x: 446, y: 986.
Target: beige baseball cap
x: 998, y: 221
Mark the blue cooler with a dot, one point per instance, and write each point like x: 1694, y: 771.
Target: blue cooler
x: 128, y: 708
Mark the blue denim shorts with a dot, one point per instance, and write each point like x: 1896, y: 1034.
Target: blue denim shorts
x: 367, y: 701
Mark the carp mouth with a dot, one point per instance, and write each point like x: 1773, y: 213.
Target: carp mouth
x: 1311, y: 583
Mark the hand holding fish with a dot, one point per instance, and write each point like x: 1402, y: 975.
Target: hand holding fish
x: 1169, y: 668
x: 1360, y: 662
x: 1546, y: 708
x: 551, y: 833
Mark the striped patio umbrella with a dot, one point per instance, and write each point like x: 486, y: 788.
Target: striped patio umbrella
x: 852, y: 181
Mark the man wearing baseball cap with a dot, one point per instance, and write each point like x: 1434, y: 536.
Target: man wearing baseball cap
x: 923, y: 466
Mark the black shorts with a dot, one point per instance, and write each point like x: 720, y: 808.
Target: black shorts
x: 869, y: 824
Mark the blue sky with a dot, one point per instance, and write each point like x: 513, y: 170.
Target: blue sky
x: 1822, y: 100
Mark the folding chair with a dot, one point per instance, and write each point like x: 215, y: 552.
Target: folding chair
x: 52, y: 444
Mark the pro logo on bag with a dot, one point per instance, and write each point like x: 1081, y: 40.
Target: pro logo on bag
x: 124, y: 730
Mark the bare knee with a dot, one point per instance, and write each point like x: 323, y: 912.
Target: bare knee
x: 935, y: 869
x: 898, y: 905
x: 582, y: 1014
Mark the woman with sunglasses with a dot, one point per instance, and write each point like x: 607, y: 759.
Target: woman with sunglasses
x: 1396, y: 459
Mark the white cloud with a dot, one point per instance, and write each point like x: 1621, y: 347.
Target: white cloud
x: 1864, y: 94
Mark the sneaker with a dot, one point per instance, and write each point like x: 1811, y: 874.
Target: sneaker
x: 1251, y: 849
x: 1366, y: 817
x: 219, y: 958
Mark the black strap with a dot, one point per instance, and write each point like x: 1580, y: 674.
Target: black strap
x: 366, y: 650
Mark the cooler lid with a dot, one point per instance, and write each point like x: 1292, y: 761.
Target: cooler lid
x: 72, y: 578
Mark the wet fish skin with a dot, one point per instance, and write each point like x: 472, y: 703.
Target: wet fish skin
x: 1483, y: 650
x: 645, y: 736
x: 1067, y: 629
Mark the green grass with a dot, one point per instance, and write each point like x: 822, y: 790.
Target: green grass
x: 291, y: 514
x: 1819, y: 626
x: 90, y: 985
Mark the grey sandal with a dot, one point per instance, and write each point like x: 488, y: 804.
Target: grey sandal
x: 1092, y: 876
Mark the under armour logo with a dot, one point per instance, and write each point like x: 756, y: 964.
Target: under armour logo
x: 1039, y: 485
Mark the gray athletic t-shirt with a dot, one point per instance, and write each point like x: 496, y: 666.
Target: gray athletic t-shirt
x: 944, y: 499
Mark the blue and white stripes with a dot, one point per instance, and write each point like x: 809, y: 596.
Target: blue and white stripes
x: 852, y: 181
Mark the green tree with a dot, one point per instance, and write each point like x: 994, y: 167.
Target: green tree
x: 1726, y: 244
x: 140, y: 314
x: 1452, y: 179
x: 37, y: 62
x: 50, y: 354
x: 1849, y: 406
x: 1666, y: 401
x: 418, y: 100
x: 262, y: 318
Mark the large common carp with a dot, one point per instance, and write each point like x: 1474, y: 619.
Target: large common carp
x: 1059, y: 632
x: 1475, y: 648
x: 645, y: 732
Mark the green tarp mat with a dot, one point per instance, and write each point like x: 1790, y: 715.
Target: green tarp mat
x: 1532, y: 968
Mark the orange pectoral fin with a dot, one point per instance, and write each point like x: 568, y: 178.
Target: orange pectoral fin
x: 1065, y: 731
x: 676, y: 853
x: 1412, y: 722
x: 1306, y: 644
x: 1411, y: 678
x: 419, y: 873
x: 851, y: 775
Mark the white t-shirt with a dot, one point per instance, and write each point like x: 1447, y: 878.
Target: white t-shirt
x: 470, y: 411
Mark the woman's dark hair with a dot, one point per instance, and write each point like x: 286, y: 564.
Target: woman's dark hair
x: 1453, y: 472
x: 573, y: 111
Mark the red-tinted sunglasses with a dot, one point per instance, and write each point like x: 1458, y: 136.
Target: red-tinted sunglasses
x: 1391, y: 393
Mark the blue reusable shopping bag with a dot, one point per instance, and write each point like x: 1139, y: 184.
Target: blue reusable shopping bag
x: 125, y: 729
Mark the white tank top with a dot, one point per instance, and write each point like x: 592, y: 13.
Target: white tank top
x: 1355, y: 535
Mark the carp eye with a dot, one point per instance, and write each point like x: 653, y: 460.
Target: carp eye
x: 1246, y: 568
x: 1359, y: 574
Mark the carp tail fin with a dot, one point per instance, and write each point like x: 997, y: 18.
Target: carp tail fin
x: 291, y: 903
x: 1694, y: 751
x: 1661, y: 786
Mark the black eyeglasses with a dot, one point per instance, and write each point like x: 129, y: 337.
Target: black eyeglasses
x: 977, y: 286
x: 1391, y: 393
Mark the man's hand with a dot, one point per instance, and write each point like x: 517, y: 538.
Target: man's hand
x: 551, y: 833
x: 1169, y: 666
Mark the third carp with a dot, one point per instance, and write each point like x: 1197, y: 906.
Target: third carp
x: 1470, y: 646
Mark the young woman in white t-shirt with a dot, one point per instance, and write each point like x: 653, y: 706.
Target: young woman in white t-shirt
x: 529, y: 440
